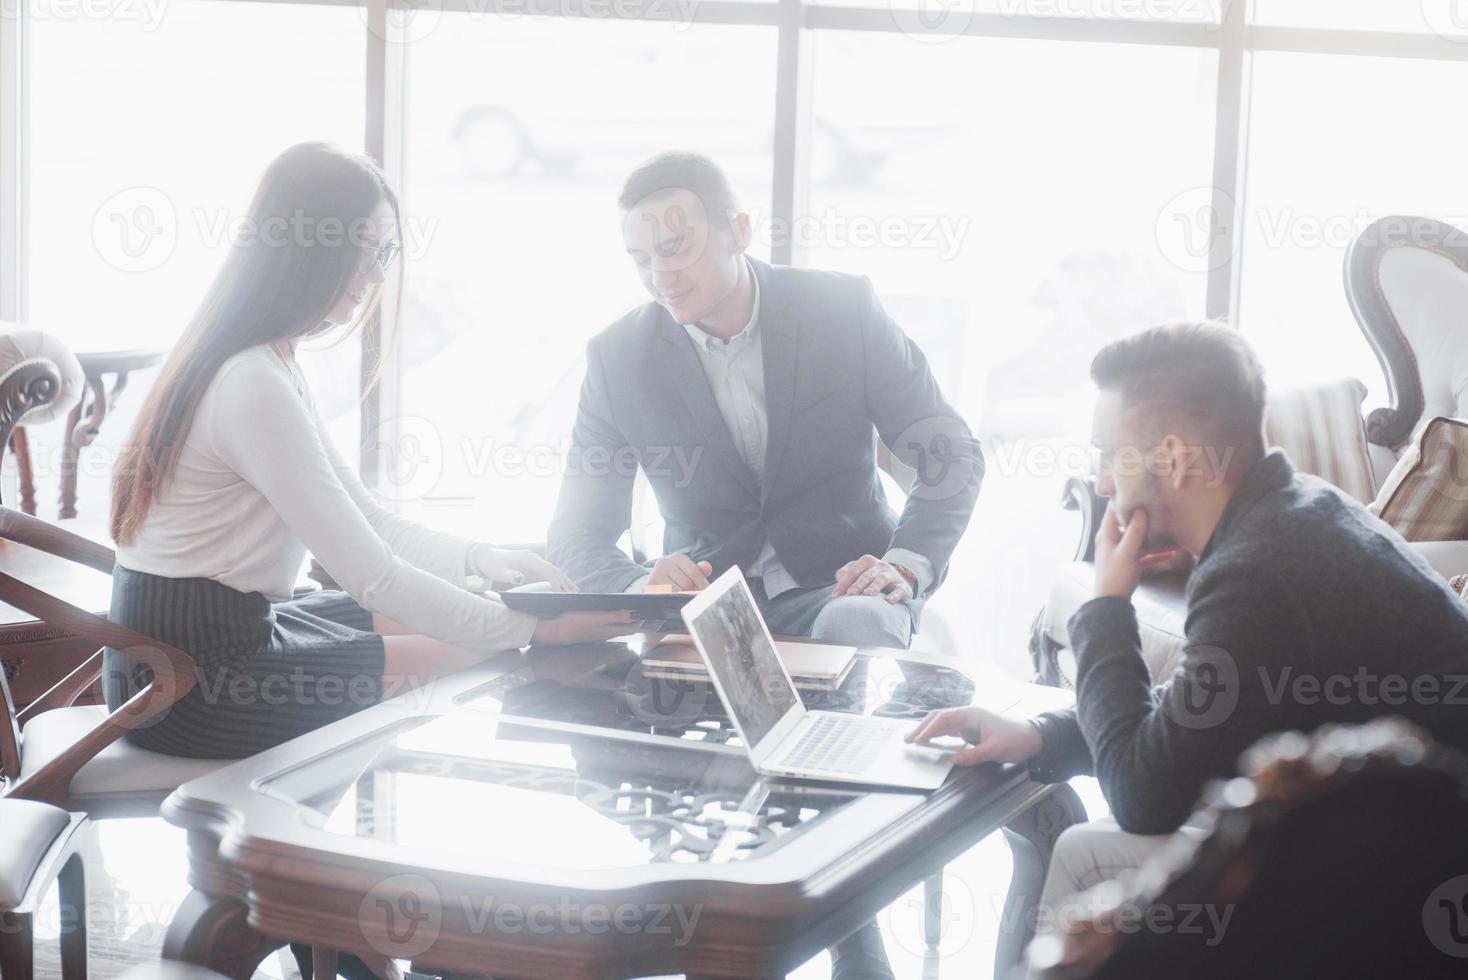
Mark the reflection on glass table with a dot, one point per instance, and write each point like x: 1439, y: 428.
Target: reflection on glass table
x: 567, y: 781
x: 507, y: 777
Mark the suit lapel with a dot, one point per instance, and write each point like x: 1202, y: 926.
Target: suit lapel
x: 779, y: 342
x: 682, y: 366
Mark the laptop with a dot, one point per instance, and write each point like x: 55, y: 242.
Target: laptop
x: 781, y: 737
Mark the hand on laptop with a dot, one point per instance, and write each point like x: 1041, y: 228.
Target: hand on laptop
x: 681, y: 572
x: 991, y: 737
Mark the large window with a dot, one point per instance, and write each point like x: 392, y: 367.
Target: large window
x: 1448, y: 18
x: 519, y: 134
x: 1009, y: 219
x: 147, y: 132
x: 1008, y: 215
x: 1337, y: 142
x: 148, y: 128
x: 1021, y: 179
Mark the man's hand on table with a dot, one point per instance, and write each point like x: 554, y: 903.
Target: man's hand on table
x: 991, y: 737
x: 681, y: 572
x: 1122, y: 554
x: 869, y: 575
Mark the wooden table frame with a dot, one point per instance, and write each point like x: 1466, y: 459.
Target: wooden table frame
x: 261, y: 878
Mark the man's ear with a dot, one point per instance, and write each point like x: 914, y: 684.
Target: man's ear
x: 1174, y: 460
x: 1185, y: 460
x: 743, y: 232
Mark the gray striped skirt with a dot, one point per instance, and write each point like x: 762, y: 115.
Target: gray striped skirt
x: 267, y: 672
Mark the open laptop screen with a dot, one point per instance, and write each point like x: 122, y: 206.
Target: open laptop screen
x: 729, y: 632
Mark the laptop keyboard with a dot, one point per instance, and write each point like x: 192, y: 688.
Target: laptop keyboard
x: 836, y: 744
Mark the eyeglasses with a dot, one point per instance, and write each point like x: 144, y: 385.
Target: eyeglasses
x: 381, y: 255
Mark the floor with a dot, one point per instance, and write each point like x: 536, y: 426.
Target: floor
x: 142, y: 882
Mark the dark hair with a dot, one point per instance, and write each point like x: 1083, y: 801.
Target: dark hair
x: 271, y: 287
x: 681, y: 170
x: 1204, y: 374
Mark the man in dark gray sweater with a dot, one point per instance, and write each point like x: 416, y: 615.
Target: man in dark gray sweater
x: 1303, y: 608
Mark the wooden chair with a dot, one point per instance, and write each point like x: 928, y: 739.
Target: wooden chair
x: 75, y: 756
x: 1339, y: 854
x: 42, y: 380
x: 42, y: 847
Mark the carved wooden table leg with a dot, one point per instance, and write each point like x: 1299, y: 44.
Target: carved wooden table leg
x: 323, y: 962
x: 212, y: 932
x: 1031, y: 837
x: 17, y: 945
x: 25, y: 474
x: 80, y: 433
x: 933, y: 911
x: 72, y: 886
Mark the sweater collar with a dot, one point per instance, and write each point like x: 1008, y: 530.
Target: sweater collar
x: 1273, y: 472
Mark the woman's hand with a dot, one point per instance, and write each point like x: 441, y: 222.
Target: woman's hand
x: 506, y: 569
x: 583, y: 627
x: 991, y: 737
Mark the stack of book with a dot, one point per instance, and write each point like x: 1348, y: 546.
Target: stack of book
x: 812, y: 666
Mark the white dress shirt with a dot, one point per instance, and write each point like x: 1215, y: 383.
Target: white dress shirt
x: 736, y: 373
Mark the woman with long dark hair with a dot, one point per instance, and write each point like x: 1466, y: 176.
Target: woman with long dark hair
x: 229, y: 478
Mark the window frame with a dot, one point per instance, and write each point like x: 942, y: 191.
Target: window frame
x: 1236, y: 39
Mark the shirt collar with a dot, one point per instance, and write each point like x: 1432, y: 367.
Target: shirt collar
x: 705, y: 341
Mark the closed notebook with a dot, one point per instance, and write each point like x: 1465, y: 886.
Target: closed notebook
x: 812, y: 666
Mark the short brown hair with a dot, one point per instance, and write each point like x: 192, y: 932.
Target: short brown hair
x: 1204, y: 373
x: 681, y: 170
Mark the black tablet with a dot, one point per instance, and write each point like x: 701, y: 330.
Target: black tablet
x: 645, y: 606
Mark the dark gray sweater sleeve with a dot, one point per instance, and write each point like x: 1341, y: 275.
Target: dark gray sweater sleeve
x: 1153, y: 749
x: 1063, y: 749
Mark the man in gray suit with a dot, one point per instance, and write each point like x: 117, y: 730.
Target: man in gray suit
x: 753, y: 396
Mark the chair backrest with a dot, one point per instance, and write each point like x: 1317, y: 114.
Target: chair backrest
x: 1341, y: 853
x: 1407, y: 284
x: 174, y: 672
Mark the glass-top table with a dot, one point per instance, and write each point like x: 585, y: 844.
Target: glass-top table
x: 573, y: 779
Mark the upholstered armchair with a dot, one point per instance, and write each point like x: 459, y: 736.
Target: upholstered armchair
x: 1406, y: 280
x: 1267, y: 863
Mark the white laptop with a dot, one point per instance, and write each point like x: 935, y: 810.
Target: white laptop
x: 782, y: 738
